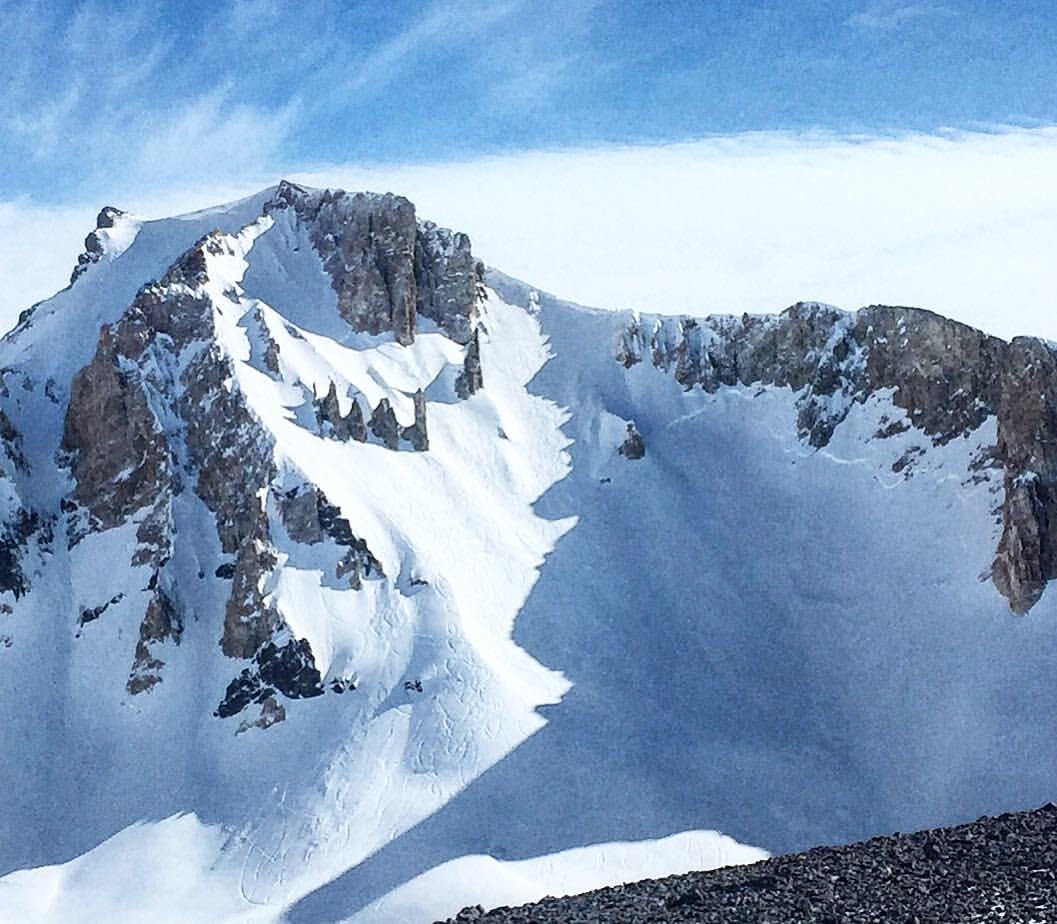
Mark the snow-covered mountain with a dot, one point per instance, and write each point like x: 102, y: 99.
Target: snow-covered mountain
x: 340, y: 574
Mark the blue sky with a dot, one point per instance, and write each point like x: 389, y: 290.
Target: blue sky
x: 671, y: 155
x: 143, y: 94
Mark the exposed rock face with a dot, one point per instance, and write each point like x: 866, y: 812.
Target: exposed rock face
x: 417, y: 434
x: 93, y: 244
x: 14, y: 538
x: 161, y: 622
x: 1027, y: 446
x: 124, y: 467
x: 447, y: 279
x: 947, y: 377
x: 310, y: 518
x: 384, y: 265
x: 11, y: 446
x: 340, y: 426
x: 384, y: 426
x: 471, y: 379
x: 288, y: 668
x: 836, y: 358
x: 157, y: 410
x: 633, y: 446
x: 248, y: 619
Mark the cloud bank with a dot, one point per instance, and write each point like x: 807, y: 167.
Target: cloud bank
x: 962, y: 223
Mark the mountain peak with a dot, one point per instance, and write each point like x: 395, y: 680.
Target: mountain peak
x: 278, y: 479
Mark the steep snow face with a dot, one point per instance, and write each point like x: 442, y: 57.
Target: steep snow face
x: 233, y: 606
x: 336, y: 566
x: 791, y: 643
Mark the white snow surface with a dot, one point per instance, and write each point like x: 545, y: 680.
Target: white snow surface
x: 735, y: 633
x: 149, y: 872
x: 480, y: 880
x: 160, y: 873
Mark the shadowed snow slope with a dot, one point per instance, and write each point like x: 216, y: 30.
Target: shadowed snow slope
x: 337, y: 568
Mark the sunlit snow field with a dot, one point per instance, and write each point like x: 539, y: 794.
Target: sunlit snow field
x: 737, y: 633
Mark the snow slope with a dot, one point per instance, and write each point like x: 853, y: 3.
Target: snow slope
x: 344, y: 774
x: 481, y: 880
x: 163, y: 873
x: 790, y: 645
x: 737, y: 632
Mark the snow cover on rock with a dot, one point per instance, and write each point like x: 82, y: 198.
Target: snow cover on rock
x: 564, y: 644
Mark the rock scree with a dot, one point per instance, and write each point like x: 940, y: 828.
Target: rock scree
x: 1001, y: 869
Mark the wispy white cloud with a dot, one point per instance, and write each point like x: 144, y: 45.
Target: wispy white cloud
x: 40, y: 247
x: 537, y: 63
x: 444, y: 22
x: 109, y: 93
x: 120, y: 89
x: 211, y: 135
x: 886, y: 16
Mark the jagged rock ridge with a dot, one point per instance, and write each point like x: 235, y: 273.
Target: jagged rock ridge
x: 159, y: 411
x: 948, y: 378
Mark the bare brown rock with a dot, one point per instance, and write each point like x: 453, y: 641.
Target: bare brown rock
x: 384, y: 265
x: 118, y: 453
x: 248, y: 620
x: 949, y: 378
x: 161, y: 622
x: 447, y: 280
x: 471, y: 379
x: 384, y: 426
x: 340, y: 426
x: 417, y: 434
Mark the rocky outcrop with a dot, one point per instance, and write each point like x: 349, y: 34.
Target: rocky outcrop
x: 158, y: 410
x: 385, y: 267
x: 15, y: 536
x: 94, y: 246
x: 249, y: 621
x: 384, y: 426
x: 161, y: 622
x: 11, y: 447
x: 417, y: 434
x: 633, y: 447
x: 470, y: 379
x: 122, y: 467
x: 942, y: 373
x: 367, y: 245
x: 1027, y: 448
x: 947, y: 377
x: 447, y: 280
x: 309, y: 518
x: 332, y: 423
x: 288, y: 668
